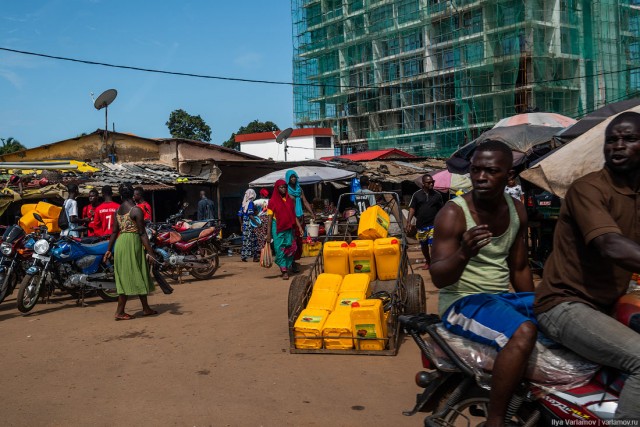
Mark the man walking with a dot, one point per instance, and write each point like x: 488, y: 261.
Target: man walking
x: 596, y: 247
x: 479, y: 249
x: 206, y: 208
x: 425, y: 204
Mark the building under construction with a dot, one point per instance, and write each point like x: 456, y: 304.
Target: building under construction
x: 427, y: 76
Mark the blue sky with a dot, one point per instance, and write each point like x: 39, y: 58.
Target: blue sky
x: 44, y: 100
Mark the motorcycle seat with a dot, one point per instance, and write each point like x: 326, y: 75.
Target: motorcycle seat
x: 99, y: 248
x: 195, y: 233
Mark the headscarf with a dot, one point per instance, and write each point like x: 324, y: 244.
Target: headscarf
x: 264, y: 193
x: 295, y: 192
x: 249, y: 196
x: 284, y: 210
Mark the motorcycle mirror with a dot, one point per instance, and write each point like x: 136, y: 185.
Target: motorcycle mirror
x: 38, y: 217
x: 185, y: 205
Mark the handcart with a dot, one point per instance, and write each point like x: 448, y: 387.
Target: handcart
x: 404, y: 295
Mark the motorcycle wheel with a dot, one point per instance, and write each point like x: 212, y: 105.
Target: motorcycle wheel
x: 109, y: 295
x: 6, y: 283
x: 28, y: 293
x: 210, y: 270
x: 475, y: 408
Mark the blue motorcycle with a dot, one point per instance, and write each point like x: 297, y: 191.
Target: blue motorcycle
x: 65, y: 263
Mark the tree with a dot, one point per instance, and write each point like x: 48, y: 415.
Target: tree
x: 10, y: 145
x: 183, y: 125
x: 253, y: 127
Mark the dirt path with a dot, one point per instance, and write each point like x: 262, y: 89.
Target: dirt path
x: 216, y: 355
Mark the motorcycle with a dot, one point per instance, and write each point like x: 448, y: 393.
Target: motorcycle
x: 15, y: 251
x: 69, y: 265
x: 456, y: 391
x: 193, y: 250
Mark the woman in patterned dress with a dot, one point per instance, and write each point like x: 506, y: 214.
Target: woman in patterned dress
x: 130, y: 264
x: 246, y: 215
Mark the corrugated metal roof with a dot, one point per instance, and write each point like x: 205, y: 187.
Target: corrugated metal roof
x: 372, y: 155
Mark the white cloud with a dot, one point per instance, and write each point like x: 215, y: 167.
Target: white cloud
x: 249, y: 60
x: 12, y: 77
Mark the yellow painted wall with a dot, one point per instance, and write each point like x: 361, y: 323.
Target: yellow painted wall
x: 128, y: 148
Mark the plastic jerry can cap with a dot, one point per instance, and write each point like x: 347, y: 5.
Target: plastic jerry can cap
x: 344, y: 245
x: 394, y: 242
x: 352, y: 244
x: 355, y: 304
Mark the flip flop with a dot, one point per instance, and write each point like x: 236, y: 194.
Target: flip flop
x: 125, y: 316
x: 153, y: 313
x: 425, y: 267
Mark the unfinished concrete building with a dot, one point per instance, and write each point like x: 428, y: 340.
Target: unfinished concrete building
x: 427, y: 76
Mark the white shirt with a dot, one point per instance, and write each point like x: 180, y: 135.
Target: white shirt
x: 71, y: 208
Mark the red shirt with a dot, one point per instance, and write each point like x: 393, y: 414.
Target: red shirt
x: 104, y: 218
x: 89, y: 212
x: 146, y: 210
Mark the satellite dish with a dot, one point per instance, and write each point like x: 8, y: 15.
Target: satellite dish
x: 282, y: 136
x: 105, y: 99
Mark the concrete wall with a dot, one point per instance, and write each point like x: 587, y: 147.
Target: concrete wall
x: 299, y: 148
x: 128, y: 148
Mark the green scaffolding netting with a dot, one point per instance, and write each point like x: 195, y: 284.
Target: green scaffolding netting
x: 427, y: 76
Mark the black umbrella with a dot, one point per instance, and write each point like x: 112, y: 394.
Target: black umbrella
x: 528, y: 142
x: 594, y: 118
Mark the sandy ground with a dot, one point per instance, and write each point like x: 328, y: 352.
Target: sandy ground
x: 216, y: 355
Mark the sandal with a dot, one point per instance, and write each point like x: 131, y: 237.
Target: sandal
x: 124, y: 316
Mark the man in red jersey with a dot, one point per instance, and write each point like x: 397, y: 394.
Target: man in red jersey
x: 105, y: 213
x: 88, y: 212
x: 138, y: 197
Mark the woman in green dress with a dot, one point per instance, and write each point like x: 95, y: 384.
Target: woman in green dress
x: 130, y: 264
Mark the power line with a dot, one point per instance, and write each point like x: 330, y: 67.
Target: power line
x: 340, y: 86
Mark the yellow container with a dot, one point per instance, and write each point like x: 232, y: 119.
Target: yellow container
x: 308, y: 328
x: 47, y: 210
x: 27, y: 222
x: 387, y: 254
x: 368, y: 325
x: 356, y: 283
x: 337, y: 331
x: 374, y: 224
x: 328, y: 281
x: 336, y: 258
x: 52, y: 225
x: 29, y: 207
x: 322, y: 299
x: 361, y: 258
x: 345, y: 299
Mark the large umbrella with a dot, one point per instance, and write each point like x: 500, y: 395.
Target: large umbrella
x: 306, y: 175
x: 537, y: 119
x: 581, y: 156
x: 594, y: 118
x: 528, y: 142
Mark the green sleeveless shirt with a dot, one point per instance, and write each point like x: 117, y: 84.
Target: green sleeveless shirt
x: 487, y: 272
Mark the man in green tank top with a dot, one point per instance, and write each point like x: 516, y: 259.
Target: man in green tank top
x: 479, y: 249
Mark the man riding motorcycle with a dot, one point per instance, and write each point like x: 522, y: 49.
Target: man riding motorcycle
x: 596, y: 247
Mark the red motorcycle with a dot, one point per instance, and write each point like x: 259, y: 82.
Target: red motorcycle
x: 192, y: 250
x: 456, y: 385
x: 15, y: 253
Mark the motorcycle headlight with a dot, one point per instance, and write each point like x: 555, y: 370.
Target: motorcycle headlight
x: 6, y: 248
x: 41, y: 247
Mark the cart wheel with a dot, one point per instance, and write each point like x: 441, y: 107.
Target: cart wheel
x: 416, y: 298
x: 297, y: 291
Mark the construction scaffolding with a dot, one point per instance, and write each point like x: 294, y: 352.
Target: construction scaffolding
x: 427, y: 76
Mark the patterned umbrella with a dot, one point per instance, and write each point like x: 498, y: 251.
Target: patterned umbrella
x: 537, y: 119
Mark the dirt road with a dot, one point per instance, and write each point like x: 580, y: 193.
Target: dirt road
x: 216, y: 355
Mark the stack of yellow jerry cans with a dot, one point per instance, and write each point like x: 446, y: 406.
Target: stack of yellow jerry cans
x: 47, y: 211
x: 338, y: 310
